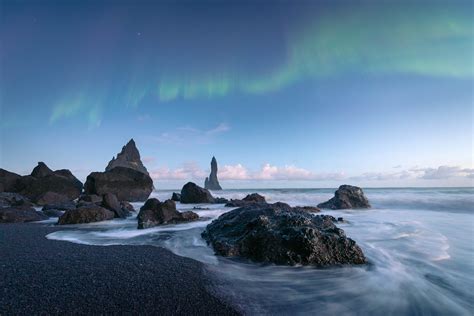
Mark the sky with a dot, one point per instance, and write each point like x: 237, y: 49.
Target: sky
x: 283, y: 93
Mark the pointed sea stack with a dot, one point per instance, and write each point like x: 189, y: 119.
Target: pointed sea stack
x: 211, y: 183
x: 124, y: 176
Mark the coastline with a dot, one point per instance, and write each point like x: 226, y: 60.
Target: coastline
x: 41, y: 276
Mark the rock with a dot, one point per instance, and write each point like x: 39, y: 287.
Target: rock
x: 20, y: 215
x: 248, y: 200
x: 9, y: 199
x: 91, y: 198
x: 211, y: 183
x: 127, y: 206
x: 53, y: 212
x: 340, y: 219
x: 176, y: 197
x: 192, y: 193
x: 129, y: 157
x: 347, y: 196
x: 52, y: 198
x: 220, y: 200
x: 8, y: 180
x: 111, y: 203
x: 43, y: 180
x: 278, y: 233
x: 127, y: 184
x: 311, y: 209
x: 154, y: 213
x: 86, y: 214
x: 63, y: 206
x: 125, y: 176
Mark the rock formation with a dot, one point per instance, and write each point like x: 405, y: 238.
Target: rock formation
x: 154, y: 213
x: 248, y: 200
x: 125, y: 176
x: 192, y: 193
x: 8, y: 180
x: 85, y: 214
x: 347, y: 196
x: 211, y: 182
x: 111, y: 203
x: 278, y: 233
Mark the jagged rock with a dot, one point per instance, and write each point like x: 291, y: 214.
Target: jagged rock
x: 126, y: 177
x: 154, y: 213
x: 129, y: 157
x: 10, y: 199
x: 192, y: 193
x: 111, y: 203
x: 347, y: 196
x: 86, y: 214
x: 248, y: 200
x: 211, y: 182
x: 52, y: 198
x: 20, y: 214
x: 127, y: 206
x: 278, y: 233
x: 8, y: 180
x: 43, y: 180
x: 176, y: 197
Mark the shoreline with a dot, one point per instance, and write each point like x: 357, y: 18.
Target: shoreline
x: 42, y: 276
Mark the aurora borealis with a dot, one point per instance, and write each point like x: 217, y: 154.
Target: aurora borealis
x: 89, y: 68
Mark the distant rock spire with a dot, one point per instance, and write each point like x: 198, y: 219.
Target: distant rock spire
x: 129, y: 157
x: 211, y: 182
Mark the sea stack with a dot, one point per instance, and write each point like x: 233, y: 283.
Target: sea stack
x: 124, y: 176
x: 211, y: 183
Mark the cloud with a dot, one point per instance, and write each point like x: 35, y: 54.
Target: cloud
x: 192, y: 135
x: 149, y: 160
x: 189, y: 171
x: 445, y: 172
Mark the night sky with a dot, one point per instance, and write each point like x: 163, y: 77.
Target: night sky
x: 284, y: 94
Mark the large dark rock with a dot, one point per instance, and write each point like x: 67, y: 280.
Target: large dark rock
x: 10, y: 199
x: 86, y: 214
x: 126, y: 177
x: 8, y: 180
x: 127, y: 184
x: 248, y: 200
x: 20, y: 215
x: 211, y: 182
x: 43, y: 180
x: 154, y: 213
x: 176, y: 197
x: 91, y: 198
x: 111, y: 203
x: 129, y: 157
x: 52, y: 198
x: 278, y: 233
x: 347, y: 196
x: 192, y: 193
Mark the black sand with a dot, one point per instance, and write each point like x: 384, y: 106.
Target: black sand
x: 41, y: 276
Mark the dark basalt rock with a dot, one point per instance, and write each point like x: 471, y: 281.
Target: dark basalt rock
x: 8, y: 180
x: 111, y: 203
x: 176, y: 197
x: 20, y: 214
x: 86, y: 214
x: 91, y: 198
x: 211, y: 182
x: 154, y: 213
x: 9, y: 199
x: 129, y: 157
x: 347, y: 196
x: 62, y: 206
x: 192, y: 193
x: 53, y: 212
x: 127, y: 184
x: 52, y: 198
x: 248, y: 200
x: 278, y: 233
x: 127, y: 206
x: 41, y: 170
x: 311, y: 209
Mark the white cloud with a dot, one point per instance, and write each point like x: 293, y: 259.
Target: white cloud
x: 188, y: 171
x: 445, y: 172
x: 190, y: 135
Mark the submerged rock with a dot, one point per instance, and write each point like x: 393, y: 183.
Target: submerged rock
x: 154, y: 213
x: 347, y: 196
x: 278, y: 233
x: 85, y: 214
x: 211, y: 182
x: 20, y: 214
x: 192, y: 193
x: 126, y: 177
x: 248, y: 200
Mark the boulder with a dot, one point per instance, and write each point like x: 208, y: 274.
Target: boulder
x: 63, y: 206
x: 53, y: 212
x: 91, y: 198
x: 41, y: 170
x: 248, y: 200
x: 111, y: 203
x: 86, y: 214
x: 127, y: 184
x: 129, y: 157
x: 10, y: 199
x: 154, y: 213
x: 127, y: 206
x: 176, y: 197
x: 8, y: 180
x: 20, y: 215
x: 347, y: 196
x: 52, y: 198
x: 211, y: 182
x: 220, y: 200
x: 277, y: 233
x: 192, y: 193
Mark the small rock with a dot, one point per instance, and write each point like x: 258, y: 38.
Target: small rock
x: 346, y: 197
x: 176, y: 197
x: 154, y: 213
x: 192, y: 193
x: 86, y: 214
x: 111, y: 203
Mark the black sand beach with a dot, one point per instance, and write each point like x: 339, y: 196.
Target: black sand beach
x: 41, y: 276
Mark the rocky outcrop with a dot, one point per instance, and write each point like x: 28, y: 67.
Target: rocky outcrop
x: 111, y: 203
x: 86, y: 214
x: 8, y: 180
x: 278, y: 233
x: 125, y: 177
x: 20, y: 215
x: 347, y: 196
x: 52, y: 198
x: 248, y: 200
x: 129, y: 157
x: 154, y: 213
x: 9, y: 199
x: 211, y: 182
x: 192, y: 193
x: 310, y: 209
x: 176, y: 197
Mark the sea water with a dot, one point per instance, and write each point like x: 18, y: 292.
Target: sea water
x: 419, y: 243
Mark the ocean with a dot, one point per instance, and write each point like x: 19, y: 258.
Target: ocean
x: 419, y: 243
